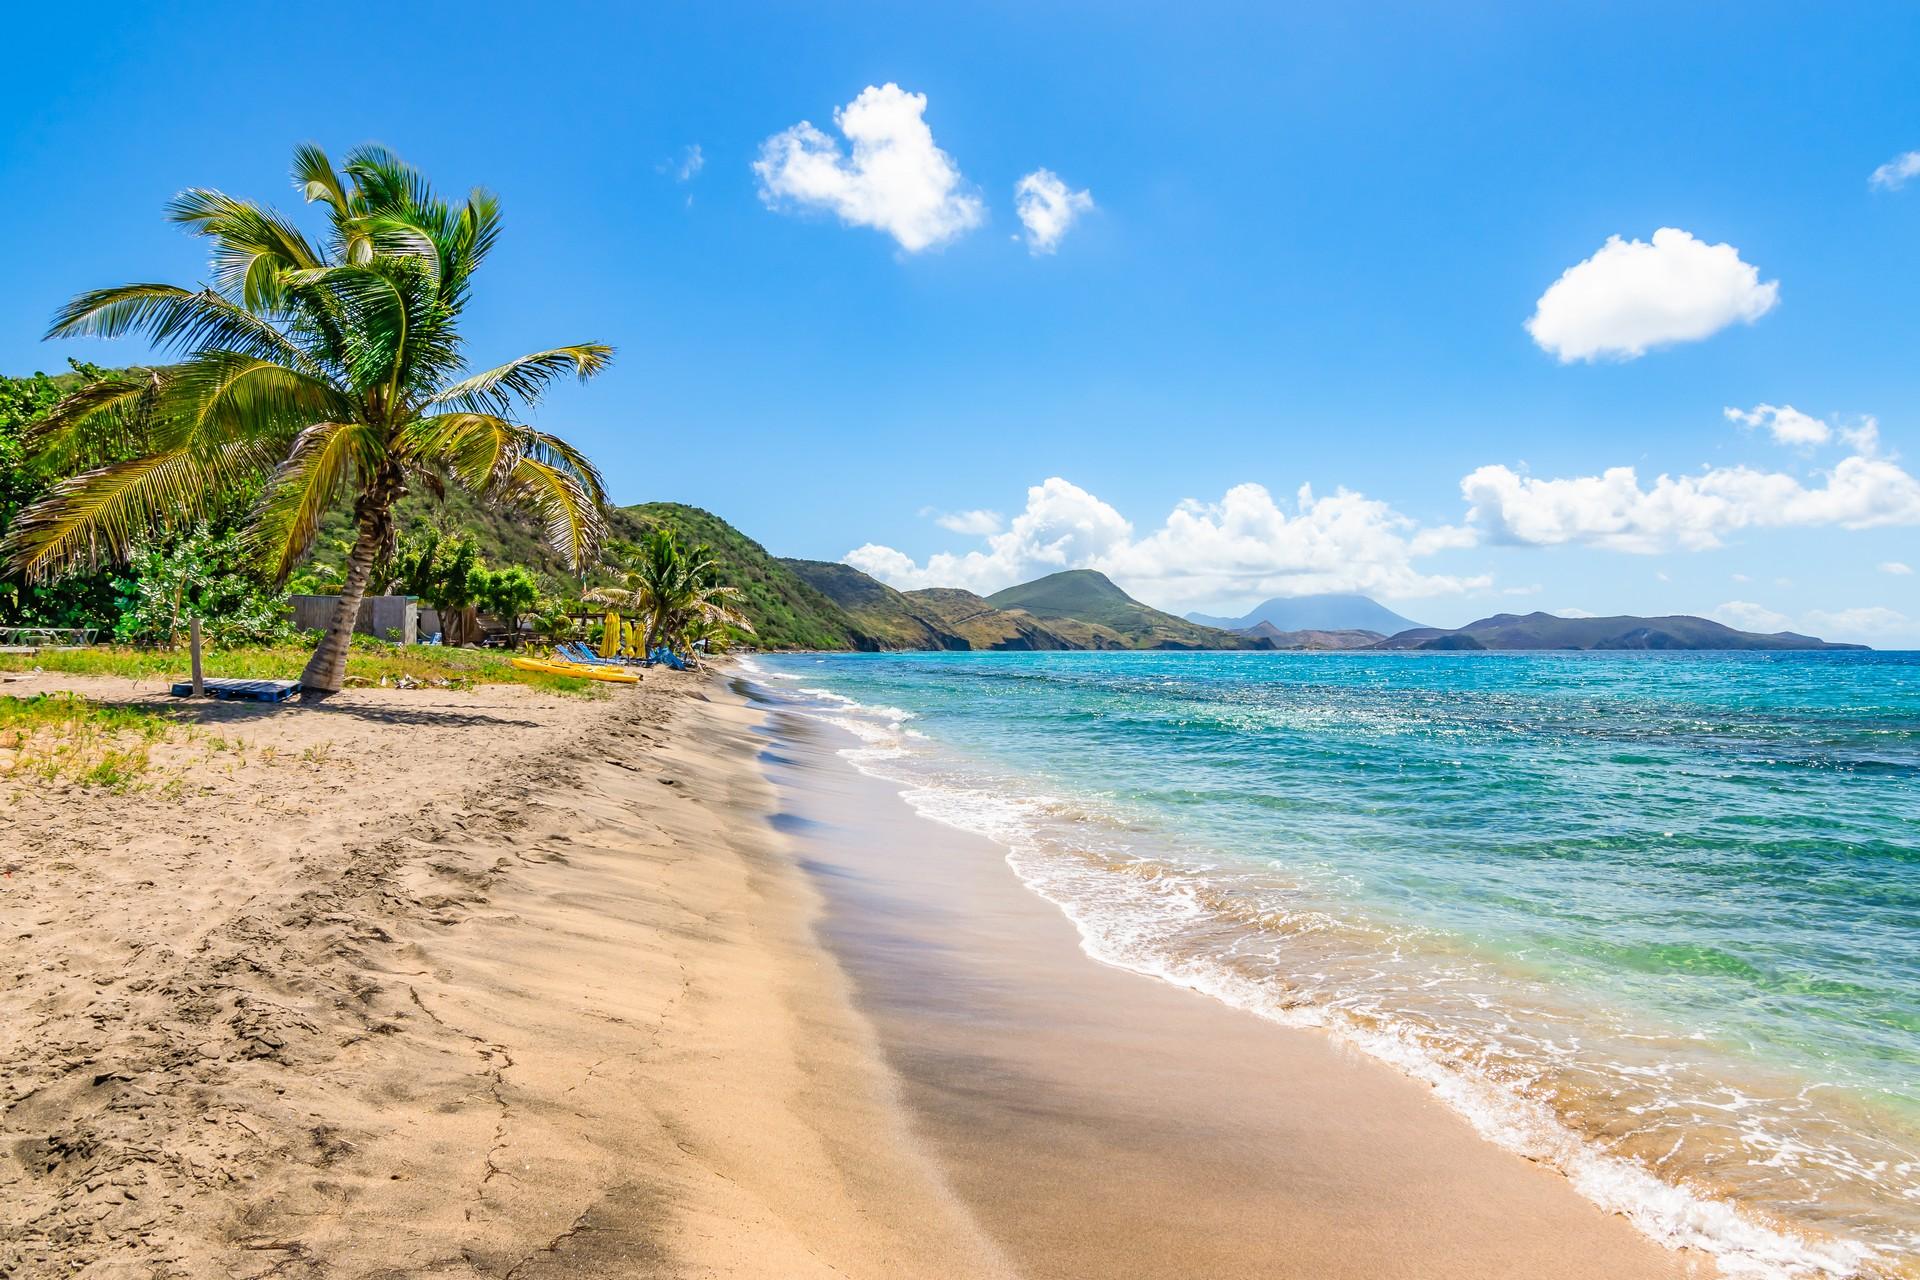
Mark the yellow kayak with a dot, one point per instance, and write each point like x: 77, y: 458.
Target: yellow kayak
x: 555, y: 666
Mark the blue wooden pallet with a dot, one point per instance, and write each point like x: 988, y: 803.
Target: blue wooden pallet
x: 249, y: 690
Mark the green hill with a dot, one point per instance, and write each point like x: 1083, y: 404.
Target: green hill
x: 787, y: 612
x: 1083, y: 595
x: 889, y: 618
x: 986, y: 627
x: 942, y: 617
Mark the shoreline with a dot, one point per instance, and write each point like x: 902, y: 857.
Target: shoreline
x: 1141, y: 901
x: 1101, y: 1121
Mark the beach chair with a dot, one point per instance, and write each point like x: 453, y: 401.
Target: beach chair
x: 615, y: 661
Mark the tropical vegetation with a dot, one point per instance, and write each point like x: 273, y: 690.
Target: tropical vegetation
x: 318, y: 372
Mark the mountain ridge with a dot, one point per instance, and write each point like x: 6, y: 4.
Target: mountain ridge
x: 1327, y: 611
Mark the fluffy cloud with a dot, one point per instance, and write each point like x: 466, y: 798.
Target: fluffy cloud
x: 1632, y: 295
x: 1063, y: 527
x: 977, y: 523
x: 1047, y: 208
x: 692, y: 161
x: 1245, y: 544
x: 896, y: 180
x: 1745, y: 615
x: 1896, y: 568
x: 1874, y: 620
x: 1787, y: 424
x: 1692, y: 512
x: 1894, y: 174
x: 1858, y: 625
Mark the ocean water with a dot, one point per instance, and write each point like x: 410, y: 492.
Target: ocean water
x: 1653, y: 919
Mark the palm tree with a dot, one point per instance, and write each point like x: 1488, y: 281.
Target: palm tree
x: 712, y: 612
x: 319, y: 370
x: 674, y: 586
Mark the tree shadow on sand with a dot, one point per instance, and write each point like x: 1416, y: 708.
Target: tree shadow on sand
x: 215, y: 711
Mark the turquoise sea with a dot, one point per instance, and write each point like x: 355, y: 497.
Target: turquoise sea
x: 1651, y: 918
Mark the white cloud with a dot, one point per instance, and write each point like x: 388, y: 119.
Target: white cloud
x: 1632, y: 296
x: 1874, y: 620
x: 1692, y: 512
x: 1568, y: 611
x: 1047, y: 208
x: 1741, y: 577
x: 896, y: 180
x: 1859, y: 625
x: 1894, y: 174
x: 977, y: 523
x: 692, y: 161
x: 1245, y: 544
x: 1787, y: 424
x: 1896, y: 568
x: 1745, y: 615
x: 1864, y: 438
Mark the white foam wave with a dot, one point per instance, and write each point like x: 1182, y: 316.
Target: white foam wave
x: 1672, y: 1215
x: 752, y: 668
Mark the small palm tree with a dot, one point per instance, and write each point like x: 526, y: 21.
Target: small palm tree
x: 674, y: 586
x: 660, y: 582
x: 320, y: 370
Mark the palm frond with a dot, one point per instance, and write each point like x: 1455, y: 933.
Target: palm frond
x: 479, y: 449
x: 98, y: 515
x: 252, y: 244
x: 222, y: 396
x: 571, y: 519
x: 397, y: 237
x: 478, y: 230
x: 315, y: 179
x: 175, y: 318
x: 305, y: 487
x: 552, y: 451
x: 101, y: 421
x: 526, y: 378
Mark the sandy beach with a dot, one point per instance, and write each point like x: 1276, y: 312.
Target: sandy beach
x: 459, y: 984
x: 496, y: 983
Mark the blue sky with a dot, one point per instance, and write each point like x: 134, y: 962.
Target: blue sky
x: 1314, y: 245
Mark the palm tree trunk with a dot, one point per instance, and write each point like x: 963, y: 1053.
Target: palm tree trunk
x: 327, y: 669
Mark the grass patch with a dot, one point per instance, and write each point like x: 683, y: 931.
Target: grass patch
x: 54, y: 737
x: 371, y: 662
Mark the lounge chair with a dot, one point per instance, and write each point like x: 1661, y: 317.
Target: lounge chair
x: 573, y: 651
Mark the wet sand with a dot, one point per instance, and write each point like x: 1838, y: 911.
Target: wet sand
x: 1103, y: 1123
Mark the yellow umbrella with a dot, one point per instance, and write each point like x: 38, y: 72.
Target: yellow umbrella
x: 610, y: 634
